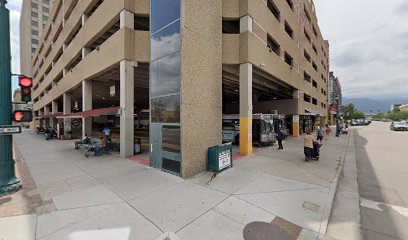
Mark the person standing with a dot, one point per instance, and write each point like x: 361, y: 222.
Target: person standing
x: 106, y: 131
x: 308, y: 141
x: 328, y: 131
x: 280, y: 138
x: 320, y: 134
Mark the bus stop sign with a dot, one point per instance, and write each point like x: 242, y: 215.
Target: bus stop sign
x: 8, y: 130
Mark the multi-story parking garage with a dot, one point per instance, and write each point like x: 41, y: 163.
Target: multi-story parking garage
x: 186, y: 63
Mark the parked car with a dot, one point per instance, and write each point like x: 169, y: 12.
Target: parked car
x: 399, y: 126
x: 360, y: 122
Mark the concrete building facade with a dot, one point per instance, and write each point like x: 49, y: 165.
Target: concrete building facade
x: 33, y: 19
x: 335, y: 96
x: 187, y: 63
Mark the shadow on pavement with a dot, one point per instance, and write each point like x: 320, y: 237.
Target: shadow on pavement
x: 376, y: 221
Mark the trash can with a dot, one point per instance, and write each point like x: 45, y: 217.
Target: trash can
x: 138, y: 146
x: 220, y: 157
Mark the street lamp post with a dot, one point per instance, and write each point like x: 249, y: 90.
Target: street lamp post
x: 338, y: 117
x: 8, y: 181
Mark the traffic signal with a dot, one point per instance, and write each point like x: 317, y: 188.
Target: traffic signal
x: 25, y: 84
x: 22, y: 116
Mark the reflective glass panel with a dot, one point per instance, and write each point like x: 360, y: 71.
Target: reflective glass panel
x: 166, y: 41
x: 171, y: 139
x: 165, y: 75
x: 166, y: 109
x: 163, y: 12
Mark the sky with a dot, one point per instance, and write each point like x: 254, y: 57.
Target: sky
x: 368, y: 44
x: 15, y: 7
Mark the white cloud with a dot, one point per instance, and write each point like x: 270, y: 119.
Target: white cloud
x: 368, y: 45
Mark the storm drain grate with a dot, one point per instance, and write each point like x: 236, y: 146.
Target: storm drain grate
x: 311, y: 206
x: 292, y: 229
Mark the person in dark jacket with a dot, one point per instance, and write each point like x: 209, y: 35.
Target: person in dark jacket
x: 280, y: 138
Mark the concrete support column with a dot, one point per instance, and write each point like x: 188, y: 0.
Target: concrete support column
x: 127, y: 76
x: 86, y: 105
x: 295, y: 125
x: 245, y: 24
x: 245, y: 108
x: 67, y: 109
x: 53, y: 120
x: 85, y: 51
x: 84, y: 17
x: 40, y: 114
x: 127, y: 19
x: 47, y: 112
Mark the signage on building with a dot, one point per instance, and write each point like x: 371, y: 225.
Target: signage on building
x: 224, y: 159
x: 8, y: 130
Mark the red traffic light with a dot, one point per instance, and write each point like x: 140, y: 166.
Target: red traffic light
x: 25, y: 82
x: 22, y: 116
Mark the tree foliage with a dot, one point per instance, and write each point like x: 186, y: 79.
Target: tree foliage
x: 394, y: 115
x: 353, y: 113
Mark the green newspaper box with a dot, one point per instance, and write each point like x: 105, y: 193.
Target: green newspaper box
x: 220, y: 157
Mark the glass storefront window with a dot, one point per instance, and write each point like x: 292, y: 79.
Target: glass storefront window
x: 163, y: 12
x: 166, y: 41
x: 165, y: 75
x: 166, y: 109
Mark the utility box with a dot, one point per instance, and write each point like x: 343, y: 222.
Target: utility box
x: 220, y: 157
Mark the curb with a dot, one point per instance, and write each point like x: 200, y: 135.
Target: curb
x: 333, y: 189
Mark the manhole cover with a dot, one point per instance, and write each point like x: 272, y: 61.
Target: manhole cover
x: 264, y: 231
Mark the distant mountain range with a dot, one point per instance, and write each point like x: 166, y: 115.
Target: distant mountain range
x: 368, y: 105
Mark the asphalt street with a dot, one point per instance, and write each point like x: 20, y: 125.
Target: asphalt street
x: 382, y: 163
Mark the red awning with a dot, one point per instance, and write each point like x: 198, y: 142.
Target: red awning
x: 93, y: 113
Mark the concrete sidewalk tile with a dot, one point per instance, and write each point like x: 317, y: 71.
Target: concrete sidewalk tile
x: 98, y: 195
x: 120, y: 223
x: 212, y: 226
x: 307, y: 235
x: 52, y: 222
x: 174, y: 207
x: 18, y: 227
x: 267, y: 183
x: 228, y: 181
x: 284, y: 169
x: 140, y: 183
x: 242, y: 211
x: 293, y: 205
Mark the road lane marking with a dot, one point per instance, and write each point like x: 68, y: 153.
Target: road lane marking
x: 376, y: 206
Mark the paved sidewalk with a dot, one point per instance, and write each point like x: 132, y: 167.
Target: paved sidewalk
x: 112, y: 198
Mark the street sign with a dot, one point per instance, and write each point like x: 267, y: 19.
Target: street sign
x: 8, y: 130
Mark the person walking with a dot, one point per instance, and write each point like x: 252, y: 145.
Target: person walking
x: 328, y: 131
x: 320, y: 134
x: 308, y: 141
x: 280, y: 138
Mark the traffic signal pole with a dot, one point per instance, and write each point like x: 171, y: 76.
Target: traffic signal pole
x: 8, y: 181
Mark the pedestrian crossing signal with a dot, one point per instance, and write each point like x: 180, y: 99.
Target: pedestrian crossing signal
x: 22, y: 116
x: 25, y: 84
